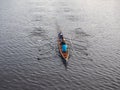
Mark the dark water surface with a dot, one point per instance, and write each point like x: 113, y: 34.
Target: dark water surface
x: 29, y: 57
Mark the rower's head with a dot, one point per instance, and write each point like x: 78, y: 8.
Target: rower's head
x: 63, y: 39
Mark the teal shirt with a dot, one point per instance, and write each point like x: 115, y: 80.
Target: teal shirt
x: 64, y: 48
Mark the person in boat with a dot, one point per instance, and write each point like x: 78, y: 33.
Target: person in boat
x: 64, y: 46
x: 61, y: 36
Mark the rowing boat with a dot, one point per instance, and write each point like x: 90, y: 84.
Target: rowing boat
x: 64, y: 55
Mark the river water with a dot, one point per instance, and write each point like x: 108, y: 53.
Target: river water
x: 29, y: 57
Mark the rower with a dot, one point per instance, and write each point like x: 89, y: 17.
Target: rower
x: 60, y: 36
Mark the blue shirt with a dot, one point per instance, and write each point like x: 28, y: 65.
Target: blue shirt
x: 64, y: 48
